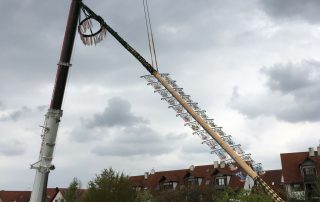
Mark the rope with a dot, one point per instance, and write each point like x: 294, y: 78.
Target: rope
x: 152, y: 48
x: 148, y: 33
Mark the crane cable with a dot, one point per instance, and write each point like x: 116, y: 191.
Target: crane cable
x: 152, y: 48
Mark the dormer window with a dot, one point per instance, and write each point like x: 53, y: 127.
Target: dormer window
x: 221, y: 181
x: 191, y: 180
x: 167, y: 185
x: 309, y: 170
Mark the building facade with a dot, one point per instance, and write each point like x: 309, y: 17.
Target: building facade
x: 301, y: 174
x: 218, y: 176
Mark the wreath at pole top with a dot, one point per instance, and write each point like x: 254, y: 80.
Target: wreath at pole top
x: 87, y: 35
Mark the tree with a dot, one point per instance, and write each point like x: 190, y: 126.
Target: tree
x: 110, y: 186
x: 242, y: 195
x: 144, y: 196
x: 190, y: 193
x: 316, y: 189
x: 71, y: 192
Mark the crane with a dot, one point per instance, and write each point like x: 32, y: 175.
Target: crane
x: 212, y: 135
x: 54, y: 114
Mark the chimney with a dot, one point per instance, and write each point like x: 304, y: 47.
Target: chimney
x: 215, y: 164
x: 233, y: 167
x: 222, y: 164
x: 318, y: 149
x: 146, y: 175
x: 152, y: 171
x: 311, y: 151
x: 191, y: 168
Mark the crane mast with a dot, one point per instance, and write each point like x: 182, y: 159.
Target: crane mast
x: 54, y: 114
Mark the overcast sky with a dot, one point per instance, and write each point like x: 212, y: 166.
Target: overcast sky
x: 252, y: 65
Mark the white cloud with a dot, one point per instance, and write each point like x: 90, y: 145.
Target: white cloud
x: 291, y: 95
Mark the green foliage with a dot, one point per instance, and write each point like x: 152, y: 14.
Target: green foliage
x: 295, y: 200
x: 169, y: 196
x: 110, y: 186
x: 209, y: 194
x: 242, y: 196
x: 316, y: 187
x: 187, y: 194
x: 144, y: 196
x: 71, y: 192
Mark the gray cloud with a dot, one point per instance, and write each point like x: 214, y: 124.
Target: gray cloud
x: 195, y: 149
x: 117, y: 113
x: 290, y: 78
x: 121, y: 133
x: 174, y: 136
x: 2, y: 106
x: 293, y: 93
x: 42, y: 108
x: 83, y: 134
x: 293, y: 9
x: 11, y: 148
x: 133, y: 141
x: 14, y: 115
x: 28, y: 29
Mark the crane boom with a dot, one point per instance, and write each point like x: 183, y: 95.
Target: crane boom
x: 52, y: 117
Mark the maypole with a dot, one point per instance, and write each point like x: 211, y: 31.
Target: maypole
x: 169, y: 91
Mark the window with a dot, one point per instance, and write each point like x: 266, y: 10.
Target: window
x: 138, y: 188
x: 167, y: 185
x: 309, y: 171
x: 221, y: 181
x: 296, y: 185
x: 190, y: 181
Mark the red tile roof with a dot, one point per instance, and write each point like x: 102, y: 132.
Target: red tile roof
x: 51, y: 193
x: 206, y: 172
x: 291, y: 165
x: 173, y: 176
x: 236, y: 183
x: 24, y: 196
x: 18, y: 196
x: 273, y: 179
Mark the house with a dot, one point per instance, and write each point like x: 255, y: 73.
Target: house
x: 18, y: 196
x: 53, y: 195
x: 300, y: 171
x: 219, y: 176
x: 275, y: 180
x: 296, y: 179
